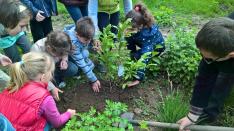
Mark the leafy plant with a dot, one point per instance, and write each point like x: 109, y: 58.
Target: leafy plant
x: 164, y: 16
x: 114, y: 53
x: 181, y: 58
x: 95, y: 121
x: 143, y: 126
x: 172, y: 108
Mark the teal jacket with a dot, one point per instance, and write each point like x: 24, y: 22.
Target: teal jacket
x: 7, y: 40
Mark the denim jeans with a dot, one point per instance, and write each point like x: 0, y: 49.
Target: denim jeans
x: 76, y: 12
x: 41, y: 29
x: 104, y: 19
x: 13, y: 53
x: 72, y: 70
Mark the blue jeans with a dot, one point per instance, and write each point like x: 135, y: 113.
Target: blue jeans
x: 13, y: 53
x: 72, y: 70
x: 76, y: 12
x: 104, y: 19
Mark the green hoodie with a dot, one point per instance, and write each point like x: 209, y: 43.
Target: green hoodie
x: 108, y: 6
x: 7, y: 40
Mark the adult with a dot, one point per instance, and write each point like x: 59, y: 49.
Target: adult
x: 76, y: 8
x: 41, y: 24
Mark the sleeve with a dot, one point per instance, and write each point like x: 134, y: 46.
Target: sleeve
x: 49, y: 110
x: 80, y: 61
x: 93, y: 14
x: 127, y: 6
x: 50, y: 86
x: 30, y: 5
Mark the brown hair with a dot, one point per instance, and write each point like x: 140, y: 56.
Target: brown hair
x: 32, y: 64
x: 12, y: 12
x: 60, y: 43
x: 85, y: 27
x: 217, y: 37
x: 140, y: 16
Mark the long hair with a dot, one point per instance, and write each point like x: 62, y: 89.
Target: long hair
x: 32, y: 64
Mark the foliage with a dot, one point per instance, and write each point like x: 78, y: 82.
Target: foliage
x: 95, y: 121
x: 172, y: 108
x: 199, y: 7
x: 114, y: 53
x: 144, y: 126
x: 164, y: 16
x: 181, y: 58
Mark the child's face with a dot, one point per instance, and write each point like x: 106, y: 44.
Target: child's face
x: 210, y: 57
x: 19, y: 27
x: 84, y: 40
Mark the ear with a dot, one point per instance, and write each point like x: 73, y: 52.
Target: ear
x: 231, y: 54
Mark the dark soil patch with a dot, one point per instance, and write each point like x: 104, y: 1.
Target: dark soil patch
x: 82, y: 97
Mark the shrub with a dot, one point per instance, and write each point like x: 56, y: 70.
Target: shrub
x: 164, y: 16
x: 181, y: 58
x: 95, y: 121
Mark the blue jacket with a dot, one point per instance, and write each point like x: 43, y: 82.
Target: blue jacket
x: 81, y: 54
x: 49, y: 7
x: 147, y: 39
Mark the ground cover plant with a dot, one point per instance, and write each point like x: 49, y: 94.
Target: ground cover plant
x: 96, y: 121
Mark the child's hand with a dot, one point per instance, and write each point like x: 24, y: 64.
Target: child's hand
x: 4, y: 60
x: 184, y: 122
x: 63, y: 65
x: 96, y: 85
x: 96, y: 45
x: 55, y: 93
x: 134, y: 83
x: 72, y: 112
x: 39, y: 16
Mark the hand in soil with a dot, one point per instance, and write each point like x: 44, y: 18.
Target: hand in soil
x: 96, y: 85
x: 134, y: 83
x: 184, y: 122
x: 72, y: 112
x: 55, y: 93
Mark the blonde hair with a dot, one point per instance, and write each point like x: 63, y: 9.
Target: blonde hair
x: 32, y: 64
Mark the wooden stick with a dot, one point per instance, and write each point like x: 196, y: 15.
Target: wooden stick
x: 176, y: 126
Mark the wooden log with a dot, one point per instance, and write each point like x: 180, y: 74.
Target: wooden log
x: 176, y: 126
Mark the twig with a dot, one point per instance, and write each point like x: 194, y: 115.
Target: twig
x: 169, y: 80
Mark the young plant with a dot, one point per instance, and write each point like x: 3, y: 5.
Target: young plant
x: 114, y: 51
x: 96, y: 121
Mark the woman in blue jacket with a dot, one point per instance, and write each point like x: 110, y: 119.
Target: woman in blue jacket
x: 42, y: 10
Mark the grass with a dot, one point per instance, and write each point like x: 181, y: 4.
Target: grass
x: 199, y: 7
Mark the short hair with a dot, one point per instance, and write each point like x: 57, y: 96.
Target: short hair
x: 9, y: 13
x: 85, y: 27
x: 217, y: 37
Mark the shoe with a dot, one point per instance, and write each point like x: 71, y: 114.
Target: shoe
x: 62, y: 84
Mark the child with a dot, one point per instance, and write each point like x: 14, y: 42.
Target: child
x: 26, y: 103
x: 147, y: 37
x: 81, y: 36
x: 105, y: 12
x: 58, y: 45
x: 215, y: 73
x: 41, y: 24
x: 4, y: 78
x: 11, y: 35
